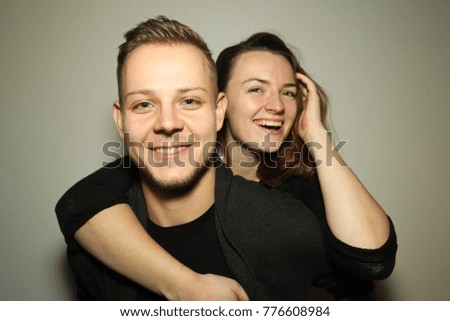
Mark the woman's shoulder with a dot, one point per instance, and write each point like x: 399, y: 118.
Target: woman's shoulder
x: 237, y: 194
x: 301, y: 187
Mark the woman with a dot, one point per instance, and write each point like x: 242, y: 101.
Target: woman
x: 275, y: 134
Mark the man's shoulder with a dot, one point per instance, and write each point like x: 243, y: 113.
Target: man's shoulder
x: 136, y: 200
x: 101, y: 189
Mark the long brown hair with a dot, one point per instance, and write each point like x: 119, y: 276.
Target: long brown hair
x: 293, y: 157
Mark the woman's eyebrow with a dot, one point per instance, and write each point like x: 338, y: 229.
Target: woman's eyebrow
x: 265, y: 82
x: 289, y: 84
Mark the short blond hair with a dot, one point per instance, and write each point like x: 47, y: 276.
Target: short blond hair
x: 162, y: 30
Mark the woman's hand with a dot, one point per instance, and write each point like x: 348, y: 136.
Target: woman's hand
x: 209, y: 287
x: 310, y: 125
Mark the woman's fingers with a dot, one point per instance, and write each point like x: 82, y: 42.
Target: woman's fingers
x: 310, y: 118
x: 309, y: 85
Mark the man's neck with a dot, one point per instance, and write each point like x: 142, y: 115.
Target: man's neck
x: 170, y: 208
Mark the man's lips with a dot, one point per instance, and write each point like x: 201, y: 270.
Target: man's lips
x: 167, y: 149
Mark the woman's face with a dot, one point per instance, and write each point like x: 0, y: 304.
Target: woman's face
x: 262, y: 101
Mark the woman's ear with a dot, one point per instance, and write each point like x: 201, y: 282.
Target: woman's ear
x: 221, y: 107
x: 118, y: 118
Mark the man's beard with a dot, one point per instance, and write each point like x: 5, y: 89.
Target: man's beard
x: 177, y: 187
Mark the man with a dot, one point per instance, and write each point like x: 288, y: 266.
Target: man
x: 168, y: 113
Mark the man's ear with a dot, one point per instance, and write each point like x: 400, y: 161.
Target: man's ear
x: 221, y: 108
x: 118, y: 118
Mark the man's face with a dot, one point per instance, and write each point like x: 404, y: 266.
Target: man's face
x: 168, y: 113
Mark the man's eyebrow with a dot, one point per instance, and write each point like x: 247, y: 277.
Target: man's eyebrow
x: 138, y: 92
x: 149, y: 91
x: 189, y: 89
x: 265, y: 82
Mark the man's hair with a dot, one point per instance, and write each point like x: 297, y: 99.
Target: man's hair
x: 162, y: 31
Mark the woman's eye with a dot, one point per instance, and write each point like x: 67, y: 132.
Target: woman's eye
x: 290, y: 94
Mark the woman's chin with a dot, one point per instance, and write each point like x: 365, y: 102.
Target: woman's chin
x: 274, y: 148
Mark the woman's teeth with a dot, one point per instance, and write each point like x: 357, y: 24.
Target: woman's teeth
x: 269, y: 124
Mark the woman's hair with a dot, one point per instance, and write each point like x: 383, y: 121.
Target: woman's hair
x: 162, y: 31
x: 293, y: 157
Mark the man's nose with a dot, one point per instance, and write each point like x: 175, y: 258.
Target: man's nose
x: 168, y: 121
x: 274, y: 104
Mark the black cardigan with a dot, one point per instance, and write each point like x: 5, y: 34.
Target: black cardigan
x: 274, y: 245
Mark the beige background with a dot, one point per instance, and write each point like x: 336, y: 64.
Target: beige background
x: 385, y: 65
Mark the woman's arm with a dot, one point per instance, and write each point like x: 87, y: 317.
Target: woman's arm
x: 353, y: 215
x: 115, y: 236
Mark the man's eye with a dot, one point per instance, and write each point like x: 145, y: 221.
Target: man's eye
x: 190, y: 101
x: 143, y: 105
x: 255, y: 90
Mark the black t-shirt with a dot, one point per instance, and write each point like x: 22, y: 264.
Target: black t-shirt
x: 195, y: 244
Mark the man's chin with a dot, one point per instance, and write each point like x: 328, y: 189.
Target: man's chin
x: 173, y: 183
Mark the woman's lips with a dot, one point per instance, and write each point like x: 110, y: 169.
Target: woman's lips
x: 271, y: 126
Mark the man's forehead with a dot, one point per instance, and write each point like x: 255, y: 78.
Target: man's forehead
x: 164, y: 53
x: 182, y: 90
x: 169, y: 67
